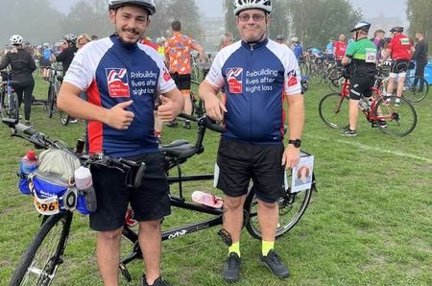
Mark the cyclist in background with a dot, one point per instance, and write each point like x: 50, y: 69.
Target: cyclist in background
x: 122, y: 79
x: 340, y: 49
x: 82, y: 40
x: 329, y: 51
x: 68, y: 53
x: 226, y: 40
x: 378, y: 41
x: 297, y: 48
x: 361, y: 56
x: 421, y: 59
x: 400, y: 51
x: 46, y: 61
x: 178, y: 58
x: 280, y: 39
x: 22, y: 66
x: 257, y: 75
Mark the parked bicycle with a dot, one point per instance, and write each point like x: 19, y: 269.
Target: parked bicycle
x: 391, y: 114
x: 53, y: 89
x: 9, y: 99
x: 40, y: 262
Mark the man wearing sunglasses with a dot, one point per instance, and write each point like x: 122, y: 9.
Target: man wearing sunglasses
x: 257, y: 75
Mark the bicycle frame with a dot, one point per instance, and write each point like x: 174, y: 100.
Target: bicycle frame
x: 9, y: 102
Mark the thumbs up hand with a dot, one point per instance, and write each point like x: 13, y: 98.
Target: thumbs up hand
x: 167, y: 109
x: 118, y: 117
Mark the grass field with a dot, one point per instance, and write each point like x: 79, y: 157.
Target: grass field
x: 369, y: 223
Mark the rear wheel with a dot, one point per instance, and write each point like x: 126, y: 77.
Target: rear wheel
x: 14, y: 106
x: 399, y: 115
x: 291, y: 208
x: 333, y: 110
x: 415, y: 89
x: 39, y: 264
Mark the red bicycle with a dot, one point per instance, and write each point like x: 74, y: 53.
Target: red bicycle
x: 393, y: 115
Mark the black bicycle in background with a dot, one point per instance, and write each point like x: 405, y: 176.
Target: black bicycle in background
x: 43, y: 257
x: 9, y: 99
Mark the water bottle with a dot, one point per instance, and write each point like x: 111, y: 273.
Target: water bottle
x: 84, y: 183
x: 29, y: 163
x: 207, y: 199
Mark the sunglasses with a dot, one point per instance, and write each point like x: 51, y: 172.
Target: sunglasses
x: 247, y: 17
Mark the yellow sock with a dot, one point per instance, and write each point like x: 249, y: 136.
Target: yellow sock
x: 266, y: 247
x: 235, y: 247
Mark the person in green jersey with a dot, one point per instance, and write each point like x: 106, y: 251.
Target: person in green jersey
x: 361, y: 56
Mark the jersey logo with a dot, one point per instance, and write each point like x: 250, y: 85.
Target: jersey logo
x: 292, y: 78
x: 166, y: 75
x: 234, y: 78
x: 118, y: 82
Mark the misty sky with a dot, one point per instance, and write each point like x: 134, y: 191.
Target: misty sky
x: 213, y: 8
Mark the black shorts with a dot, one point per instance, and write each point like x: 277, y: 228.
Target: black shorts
x: 150, y: 202
x: 183, y: 81
x: 240, y: 162
x: 399, y: 66
x: 361, y: 86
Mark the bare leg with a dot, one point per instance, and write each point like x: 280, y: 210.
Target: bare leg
x: 353, y: 114
x: 233, y: 216
x: 150, y: 243
x: 400, y: 86
x: 108, y: 255
x: 187, y: 102
x: 268, y: 215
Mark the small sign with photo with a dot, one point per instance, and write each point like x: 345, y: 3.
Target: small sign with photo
x: 302, y: 174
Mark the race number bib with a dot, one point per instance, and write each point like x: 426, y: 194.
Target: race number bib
x: 47, y: 206
x: 371, y: 56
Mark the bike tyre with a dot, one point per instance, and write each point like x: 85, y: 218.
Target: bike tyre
x: 35, y: 251
x: 14, y: 106
x: 50, y: 102
x: 410, y: 92
x: 392, y: 115
x: 293, y: 218
x: 333, y: 110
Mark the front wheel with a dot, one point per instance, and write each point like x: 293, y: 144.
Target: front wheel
x: 291, y: 208
x: 333, y: 110
x: 39, y: 263
x: 398, y: 114
x: 415, y: 88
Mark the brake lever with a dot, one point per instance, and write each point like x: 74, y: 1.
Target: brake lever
x: 139, y: 175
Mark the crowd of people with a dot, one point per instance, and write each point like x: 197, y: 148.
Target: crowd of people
x: 125, y: 76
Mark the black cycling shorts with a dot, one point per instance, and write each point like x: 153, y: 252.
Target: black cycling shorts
x: 149, y: 202
x: 361, y: 86
x: 183, y: 81
x: 240, y: 162
x: 399, y: 66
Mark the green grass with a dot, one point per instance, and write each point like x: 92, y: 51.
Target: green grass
x: 369, y: 224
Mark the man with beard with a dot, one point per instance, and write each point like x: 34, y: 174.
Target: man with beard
x: 121, y: 78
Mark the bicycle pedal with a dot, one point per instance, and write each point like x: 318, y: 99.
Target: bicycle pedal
x: 226, y: 236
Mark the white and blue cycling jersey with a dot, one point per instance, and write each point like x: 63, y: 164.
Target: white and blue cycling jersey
x: 256, y: 78
x: 112, y: 72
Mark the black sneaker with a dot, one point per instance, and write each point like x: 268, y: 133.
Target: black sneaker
x: 157, y: 282
x: 231, y: 269
x: 274, y: 263
x: 348, y: 132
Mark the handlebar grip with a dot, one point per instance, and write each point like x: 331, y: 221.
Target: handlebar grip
x: 25, y: 129
x: 139, y: 175
x: 188, y: 117
x: 212, y: 125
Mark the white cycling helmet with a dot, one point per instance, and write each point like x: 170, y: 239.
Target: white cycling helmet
x: 240, y: 5
x: 149, y: 5
x: 363, y: 25
x: 294, y: 39
x: 70, y: 38
x: 16, y: 40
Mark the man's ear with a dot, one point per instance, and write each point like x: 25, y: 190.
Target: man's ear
x: 112, y: 14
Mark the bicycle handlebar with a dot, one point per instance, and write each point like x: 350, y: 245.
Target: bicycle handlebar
x: 204, y: 121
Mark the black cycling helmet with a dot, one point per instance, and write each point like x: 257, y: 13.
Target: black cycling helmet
x: 70, y: 38
x: 362, y: 26
x: 397, y: 29
x: 280, y: 37
x: 149, y: 5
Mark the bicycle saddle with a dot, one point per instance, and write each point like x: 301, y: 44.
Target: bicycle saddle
x: 179, y: 149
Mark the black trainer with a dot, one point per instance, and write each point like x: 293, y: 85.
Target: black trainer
x: 231, y: 269
x: 157, y: 282
x: 382, y: 123
x: 274, y: 263
x: 348, y: 132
